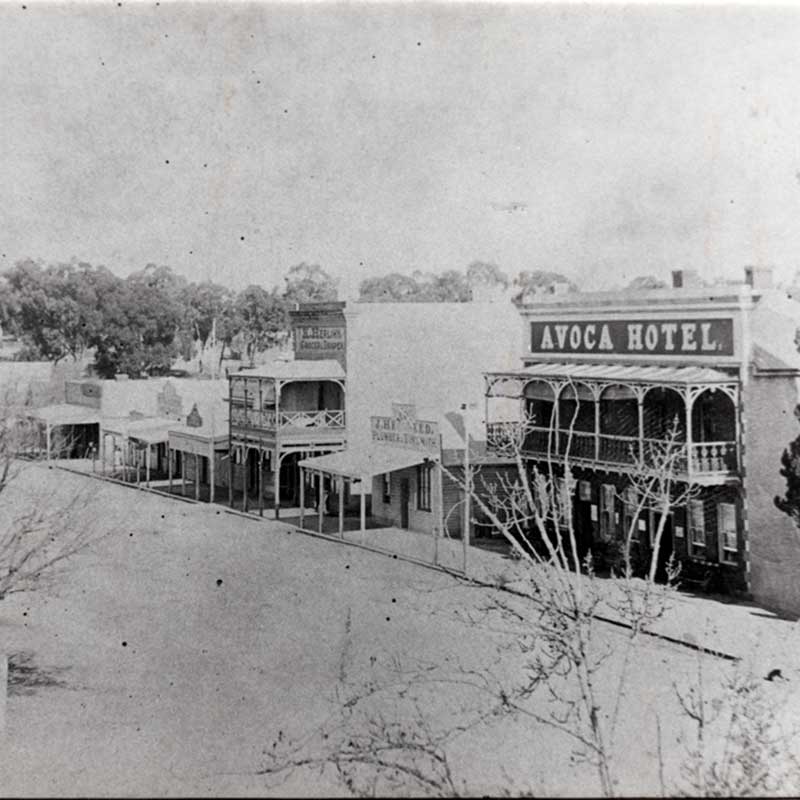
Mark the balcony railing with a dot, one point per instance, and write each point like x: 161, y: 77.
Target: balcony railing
x: 287, y: 420
x: 707, y: 458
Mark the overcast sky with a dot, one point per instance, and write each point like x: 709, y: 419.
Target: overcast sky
x: 234, y: 141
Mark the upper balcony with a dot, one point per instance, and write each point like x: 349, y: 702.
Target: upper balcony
x: 295, y: 402
x: 683, y: 419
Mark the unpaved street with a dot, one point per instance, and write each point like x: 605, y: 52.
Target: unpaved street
x: 185, y: 641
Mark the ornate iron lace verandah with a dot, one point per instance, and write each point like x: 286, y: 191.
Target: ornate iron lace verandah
x: 710, y: 460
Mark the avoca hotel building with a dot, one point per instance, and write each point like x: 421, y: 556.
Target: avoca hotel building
x: 606, y: 378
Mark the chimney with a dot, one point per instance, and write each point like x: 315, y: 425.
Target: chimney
x: 686, y: 279
x: 758, y: 277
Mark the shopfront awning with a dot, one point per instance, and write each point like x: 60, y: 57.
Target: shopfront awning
x: 66, y: 414
x: 152, y: 430
x: 365, y: 463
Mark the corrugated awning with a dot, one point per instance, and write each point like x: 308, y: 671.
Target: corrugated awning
x: 66, y: 414
x: 625, y: 373
x: 299, y: 370
x: 152, y: 430
x: 364, y: 463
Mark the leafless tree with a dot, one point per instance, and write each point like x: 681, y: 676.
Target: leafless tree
x: 38, y: 533
x: 532, y: 507
x: 738, y: 746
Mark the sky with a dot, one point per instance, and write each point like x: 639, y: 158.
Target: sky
x: 233, y: 141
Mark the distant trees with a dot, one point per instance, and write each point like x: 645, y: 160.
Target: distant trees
x: 540, y: 281
x: 453, y: 286
x: 309, y: 283
x: 53, y: 308
x: 262, y: 318
x: 140, y: 324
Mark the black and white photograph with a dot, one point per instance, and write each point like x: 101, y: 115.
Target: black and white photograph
x: 399, y: 399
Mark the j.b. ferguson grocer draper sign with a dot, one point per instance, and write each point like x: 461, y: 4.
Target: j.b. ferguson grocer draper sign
x: 709, y: 337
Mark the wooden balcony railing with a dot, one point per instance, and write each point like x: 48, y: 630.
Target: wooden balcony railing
x: 707, y: 458
x: 287, y: 420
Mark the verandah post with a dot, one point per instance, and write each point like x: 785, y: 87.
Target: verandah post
x: 341, y: 506
x: 260, y: 478
x: 320, y: 501
x: 302, y: 495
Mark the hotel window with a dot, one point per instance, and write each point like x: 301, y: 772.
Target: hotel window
x: 726, y: 522
x: 697, y: 528
x: 387, y: 487
x: 424, y: 487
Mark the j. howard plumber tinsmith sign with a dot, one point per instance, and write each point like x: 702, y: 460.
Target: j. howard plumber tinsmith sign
x: 676, y: 337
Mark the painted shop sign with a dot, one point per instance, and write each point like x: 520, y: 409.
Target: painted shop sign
x: 403, y: 429
x: 633, y: 337
x: 319, y: 339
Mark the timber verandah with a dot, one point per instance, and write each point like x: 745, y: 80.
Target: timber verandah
x: 278, y: 415
x: 618, y: 417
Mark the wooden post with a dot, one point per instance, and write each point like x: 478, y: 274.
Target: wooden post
x: 231, y: 451
x: 302, y: 495
x: 465, y: 533
x: 260, y: 478
x: 169, y: 467
x: 276, y: 484
x: 102, y: 451
x: 320, y: 501
x: 362, y: 510
x: 196, y: 476
x: 276, y: 468
x: 597, y: 427
x: 147, y: 465
x: 47, y: 439
x: 341, y: 506
x: 212, y: 469
x: 183, y: 473
x: 246, y: 481
x: 640, y: 414
x: 688, y: 400
x: 437, y: 512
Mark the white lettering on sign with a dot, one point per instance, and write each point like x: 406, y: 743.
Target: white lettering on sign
x: 404, y: 430
x: 319, y: 337
x: 705, y: 337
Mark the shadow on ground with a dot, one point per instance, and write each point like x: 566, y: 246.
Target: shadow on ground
x: 26, y: 677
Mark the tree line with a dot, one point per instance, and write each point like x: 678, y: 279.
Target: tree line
x: 139, y: 325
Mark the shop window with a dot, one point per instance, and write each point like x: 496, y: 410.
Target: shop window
x: 697, y: 529
x: 726, y: 521
x: 424, y: 487
x: 387, y: 487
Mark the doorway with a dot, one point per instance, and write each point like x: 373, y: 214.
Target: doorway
x: 405, y: 495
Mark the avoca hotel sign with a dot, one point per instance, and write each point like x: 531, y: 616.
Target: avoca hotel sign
x: 698, y: 337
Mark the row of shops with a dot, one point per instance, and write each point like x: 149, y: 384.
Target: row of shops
x: 368, y: 421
